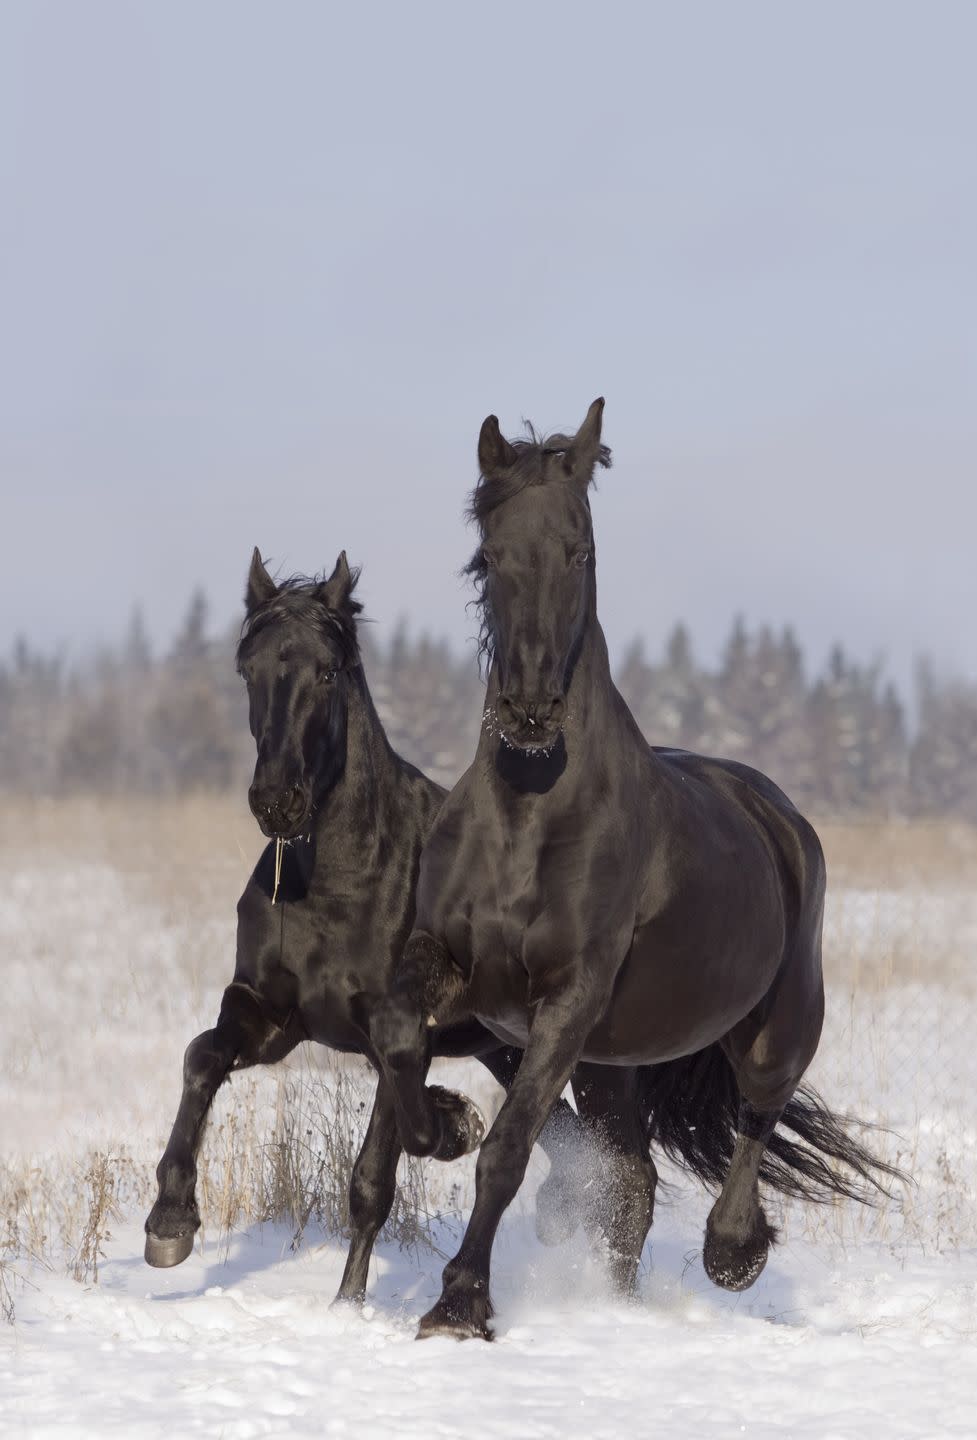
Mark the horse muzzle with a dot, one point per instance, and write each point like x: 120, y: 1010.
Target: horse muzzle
x: 530, y: 724
x: 281, y: 814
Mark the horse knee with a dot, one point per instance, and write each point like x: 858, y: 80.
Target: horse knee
x: 206, y: 1061
x: 429, y: 976
x: 398, y: 1036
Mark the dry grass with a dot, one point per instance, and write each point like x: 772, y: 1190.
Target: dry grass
x: 900, y: 855
x: 901, y: 907
x: 297, y: 1171
x: 103, y: 1182
x: 189, y: 853
x: 8, y: 1311
x: 291, y: 1167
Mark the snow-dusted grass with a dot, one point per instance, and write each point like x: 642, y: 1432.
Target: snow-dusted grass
x: 117, y: 929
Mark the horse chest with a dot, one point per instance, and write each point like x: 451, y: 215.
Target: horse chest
x: 513, y: 919
x: 510, y: 902
x: 339, y: 957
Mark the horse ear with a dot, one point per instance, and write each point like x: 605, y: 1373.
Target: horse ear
x: 261, y: 586
x: 586, y: 449
x: 494, y: 451
x: 335, y: 591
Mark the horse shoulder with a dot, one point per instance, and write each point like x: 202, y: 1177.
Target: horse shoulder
x: 450, y: 862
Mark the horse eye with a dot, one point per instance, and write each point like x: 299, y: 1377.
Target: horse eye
x: 580, y: 558
x: 488, y: 559
x: 327, y: 677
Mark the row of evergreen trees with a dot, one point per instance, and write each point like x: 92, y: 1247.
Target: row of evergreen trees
x: 838, y: 742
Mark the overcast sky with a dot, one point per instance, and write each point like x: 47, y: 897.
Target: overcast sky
x: 265, y: 268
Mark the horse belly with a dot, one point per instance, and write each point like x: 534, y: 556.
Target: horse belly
x: 330, y: 1026
x: 669, y: 1002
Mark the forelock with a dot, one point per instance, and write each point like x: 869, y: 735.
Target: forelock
x: 533, y: 466
x: 297, y: 600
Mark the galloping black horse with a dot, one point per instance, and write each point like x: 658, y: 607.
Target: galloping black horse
x: 592, y: 899
x: 315, y: 960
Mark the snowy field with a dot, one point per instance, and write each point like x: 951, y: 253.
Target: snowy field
x: 117, y: 929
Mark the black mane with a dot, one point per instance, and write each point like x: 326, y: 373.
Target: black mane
x: 299, y: 598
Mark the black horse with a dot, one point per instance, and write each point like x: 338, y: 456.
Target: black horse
x: 315, y: 959
x: 592, y: 899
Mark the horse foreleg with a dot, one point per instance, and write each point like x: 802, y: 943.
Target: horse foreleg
x: 372, y: 1187
x: 560, y: 1028
x: 430, y: 1119
x: 244, y: 1036
x: 558, y: 1201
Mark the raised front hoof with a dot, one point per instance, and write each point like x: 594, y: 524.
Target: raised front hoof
x: 164, y: 1252
x: 557, y: 1211
x: 456, y: 1322
x: 170, y: 1228
x: 460, y: 1124
x: 734, y: 1266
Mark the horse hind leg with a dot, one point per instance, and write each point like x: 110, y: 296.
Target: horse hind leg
x: 559, y: 1204
x: 768, y: 1061
x: 738, y: 1233
x: 372, y: 1188
x: 245, y: 1035
x: 622, y: 1179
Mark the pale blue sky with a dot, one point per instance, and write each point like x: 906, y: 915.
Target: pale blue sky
x: 267, y: 267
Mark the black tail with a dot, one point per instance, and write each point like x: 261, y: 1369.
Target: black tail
x: 692, y: 1107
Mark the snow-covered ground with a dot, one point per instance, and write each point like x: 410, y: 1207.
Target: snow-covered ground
x: 826, y: 1345
x: 863, y: 1324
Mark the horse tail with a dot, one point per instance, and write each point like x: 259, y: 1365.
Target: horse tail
x: 692, y: 1106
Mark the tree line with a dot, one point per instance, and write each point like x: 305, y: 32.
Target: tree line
x: 838, y: 741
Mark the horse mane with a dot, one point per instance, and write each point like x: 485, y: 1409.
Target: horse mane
x: 531, y: 467
x: 299, y: 598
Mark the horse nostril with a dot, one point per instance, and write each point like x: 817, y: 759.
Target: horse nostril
x: 293, y: 804
x: 509, y: 712
x: 557, y: 709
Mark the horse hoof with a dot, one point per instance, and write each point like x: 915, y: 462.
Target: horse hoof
x: 165, y: 1252
x: 450, y: 1330
x: 349, y: 1304
x: 462, y: 1126
x: 556, y: 1211
x: 734, y: 1267
x: 441, y: 1322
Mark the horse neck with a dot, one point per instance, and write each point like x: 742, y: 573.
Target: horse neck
x: 593, y: 702
x: 356, y: 812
